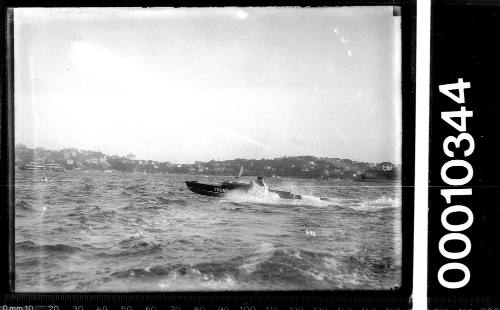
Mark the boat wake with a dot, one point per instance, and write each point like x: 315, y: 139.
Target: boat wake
x: 261, y: 197
x: 269, y: 198
x: 372, y: 205
x: 253, y: 196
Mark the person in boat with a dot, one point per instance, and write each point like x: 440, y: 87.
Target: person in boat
x: 259, y: 184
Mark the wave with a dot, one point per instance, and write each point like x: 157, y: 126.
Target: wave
x: 263, y: 254
x: 34, y: 263
x: 142, y: 272
x: 158, y: 279
x: 88, y: 187
x: 267, y: 266
x: 159, y: 238
x: 134, y: 245
x: 24, y: 206
x: 201, y: 282
x: 79, y: 217
x: 134, y: 190
x: 50, y: 248
x: 273, y: 199
x: 136, y: 187
x: 385, y: 200
x: 128, y: 207
x: 103, y: 215
x: 167, y: 201
x: 379, y: 204
x: 137, y: 250
x: 376, y: 262
x: 252, y: 196
x: 269, y: 198
x: 87, y: 215
x: 182, y: 277
x: 294, y: 268
x: 314, y: 201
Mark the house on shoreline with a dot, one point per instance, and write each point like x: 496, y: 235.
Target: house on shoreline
x: 306, y: 167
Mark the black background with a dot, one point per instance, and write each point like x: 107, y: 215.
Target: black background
x: 465, y: 43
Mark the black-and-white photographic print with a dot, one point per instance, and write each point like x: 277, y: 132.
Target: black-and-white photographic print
x: 208, y: 149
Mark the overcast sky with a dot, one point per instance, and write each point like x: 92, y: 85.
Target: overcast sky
x: 181, y: 85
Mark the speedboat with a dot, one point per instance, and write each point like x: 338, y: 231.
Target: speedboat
x: 227, y: 187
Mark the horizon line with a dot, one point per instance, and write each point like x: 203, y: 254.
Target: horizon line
x: 283, y: 156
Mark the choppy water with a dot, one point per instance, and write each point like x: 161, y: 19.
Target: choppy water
x: 132, y: 232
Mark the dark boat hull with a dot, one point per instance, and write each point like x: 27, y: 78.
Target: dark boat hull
x: 215, y: 190
x: 222, y: 190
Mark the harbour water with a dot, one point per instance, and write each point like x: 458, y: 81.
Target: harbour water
x: 95, y: 231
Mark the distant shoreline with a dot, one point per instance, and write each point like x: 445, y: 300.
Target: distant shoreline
x: 301, y: 167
